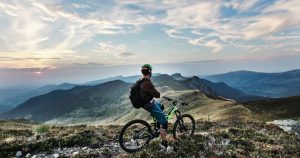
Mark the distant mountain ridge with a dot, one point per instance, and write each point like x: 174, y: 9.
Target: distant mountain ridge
x: 128, y: 79
x: 20, y: 98
x: 105, y: 100
x: 273, y: 85
x: 62, y: 102
x: 178, y: 76
x: 4, y: 108
x: 215, y: 89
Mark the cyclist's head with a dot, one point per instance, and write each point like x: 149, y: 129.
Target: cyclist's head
x: 147, y: 69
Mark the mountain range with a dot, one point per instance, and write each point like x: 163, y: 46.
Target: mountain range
x: 64, y: 102
x: 274, y: 85
x: 108, y: 102
x: 15, y: 100
x: 249, y: 84
x: 12, y: 98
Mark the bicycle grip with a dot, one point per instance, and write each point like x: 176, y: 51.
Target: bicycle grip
x: 169, y: 99
x: 184, y: 104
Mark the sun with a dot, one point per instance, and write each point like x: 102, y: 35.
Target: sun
x: 38, y: 72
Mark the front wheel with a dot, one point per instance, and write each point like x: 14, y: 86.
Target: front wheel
x: 135, y: 135
x: 184, y: 126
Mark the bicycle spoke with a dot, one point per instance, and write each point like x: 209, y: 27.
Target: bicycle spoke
x: 136, y: 136
x: 184, y: 128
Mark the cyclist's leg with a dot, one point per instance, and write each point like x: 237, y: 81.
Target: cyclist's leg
x: 159, y: 115
x: 161, y: 118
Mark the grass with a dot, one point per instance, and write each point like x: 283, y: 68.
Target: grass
x: 41, y: 129
x: 211, y: 139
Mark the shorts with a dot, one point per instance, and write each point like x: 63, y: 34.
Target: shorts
x: 157, y: 112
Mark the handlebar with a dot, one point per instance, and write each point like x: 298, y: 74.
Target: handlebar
x: 167, y: 98
x: 176, y: 101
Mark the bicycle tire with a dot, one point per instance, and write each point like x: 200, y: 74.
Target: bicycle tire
x: 125, y: 127
x: 177, y: 123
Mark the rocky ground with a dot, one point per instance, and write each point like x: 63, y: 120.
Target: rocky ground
x: 212, y: 139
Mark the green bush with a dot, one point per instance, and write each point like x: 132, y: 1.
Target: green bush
x: 42, y: 129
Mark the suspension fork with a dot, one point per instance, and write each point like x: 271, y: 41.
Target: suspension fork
x: 179, y: 117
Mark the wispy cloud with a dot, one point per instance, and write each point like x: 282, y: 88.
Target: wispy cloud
x: 24, y: 69
x: 90, y: 64
x: 205, y: 15
x: 126, y: 54
x: 21, y: 59
x: 201, y: 61
x: 94, y: 31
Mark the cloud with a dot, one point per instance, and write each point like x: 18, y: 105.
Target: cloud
x: 46, y: 29
x: 199, y: 17
x: 108, y: 47
x: 29, y: 69
x: 201, y: 61
x: 174, y: 33
x: 80, y: 6
x: 90, y: 64
x: 245, y: 5
x: 214, y: 44
x: 8, y: 9
x: 283, y: 14
x: 192, y: 15
x: 22, y: 59
x: 126, y: 54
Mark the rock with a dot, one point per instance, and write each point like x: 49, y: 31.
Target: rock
x: 55, y: 155
x: 204, y: 134
x: 34, y: 156
x: 84, y: 148
x: 75, y: 153
x: 116, y: 146
x: 288, y: 125
x: 28, y: 155
x: 19, y: 154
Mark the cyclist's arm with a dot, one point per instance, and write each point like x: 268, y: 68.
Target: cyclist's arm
x: 149, y: 88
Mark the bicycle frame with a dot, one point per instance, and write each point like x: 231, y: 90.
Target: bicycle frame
x: 173, y: 110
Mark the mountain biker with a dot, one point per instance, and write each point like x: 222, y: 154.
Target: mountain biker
x: 148, y: 92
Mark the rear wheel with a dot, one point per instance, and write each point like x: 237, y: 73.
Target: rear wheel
x: 135, y: 135
x: 184, y: 127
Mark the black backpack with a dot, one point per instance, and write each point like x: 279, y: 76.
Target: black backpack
x: 135, y: 96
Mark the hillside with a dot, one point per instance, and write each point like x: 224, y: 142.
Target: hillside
x: 17, y: 99
x: 273, y: 85
x: 10, y: 92
x: 279, y: 108
x: 81, y: 99
x: 215, y: 89
x: 4, y: 108
x: 211, y: 139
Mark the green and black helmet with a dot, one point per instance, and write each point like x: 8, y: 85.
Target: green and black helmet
x: 148, y: 66
x: 147, y: 69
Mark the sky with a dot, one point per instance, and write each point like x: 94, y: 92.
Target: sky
x: 46, y: 42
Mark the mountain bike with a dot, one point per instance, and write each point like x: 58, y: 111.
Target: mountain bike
x: 137, y: 134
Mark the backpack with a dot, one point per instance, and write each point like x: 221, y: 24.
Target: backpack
x: 136, y: 100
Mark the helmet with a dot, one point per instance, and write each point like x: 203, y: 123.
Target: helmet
x: 148, y: 66
x: 147, y: 69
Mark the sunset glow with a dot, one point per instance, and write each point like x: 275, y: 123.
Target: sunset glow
x: 85, y: 36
